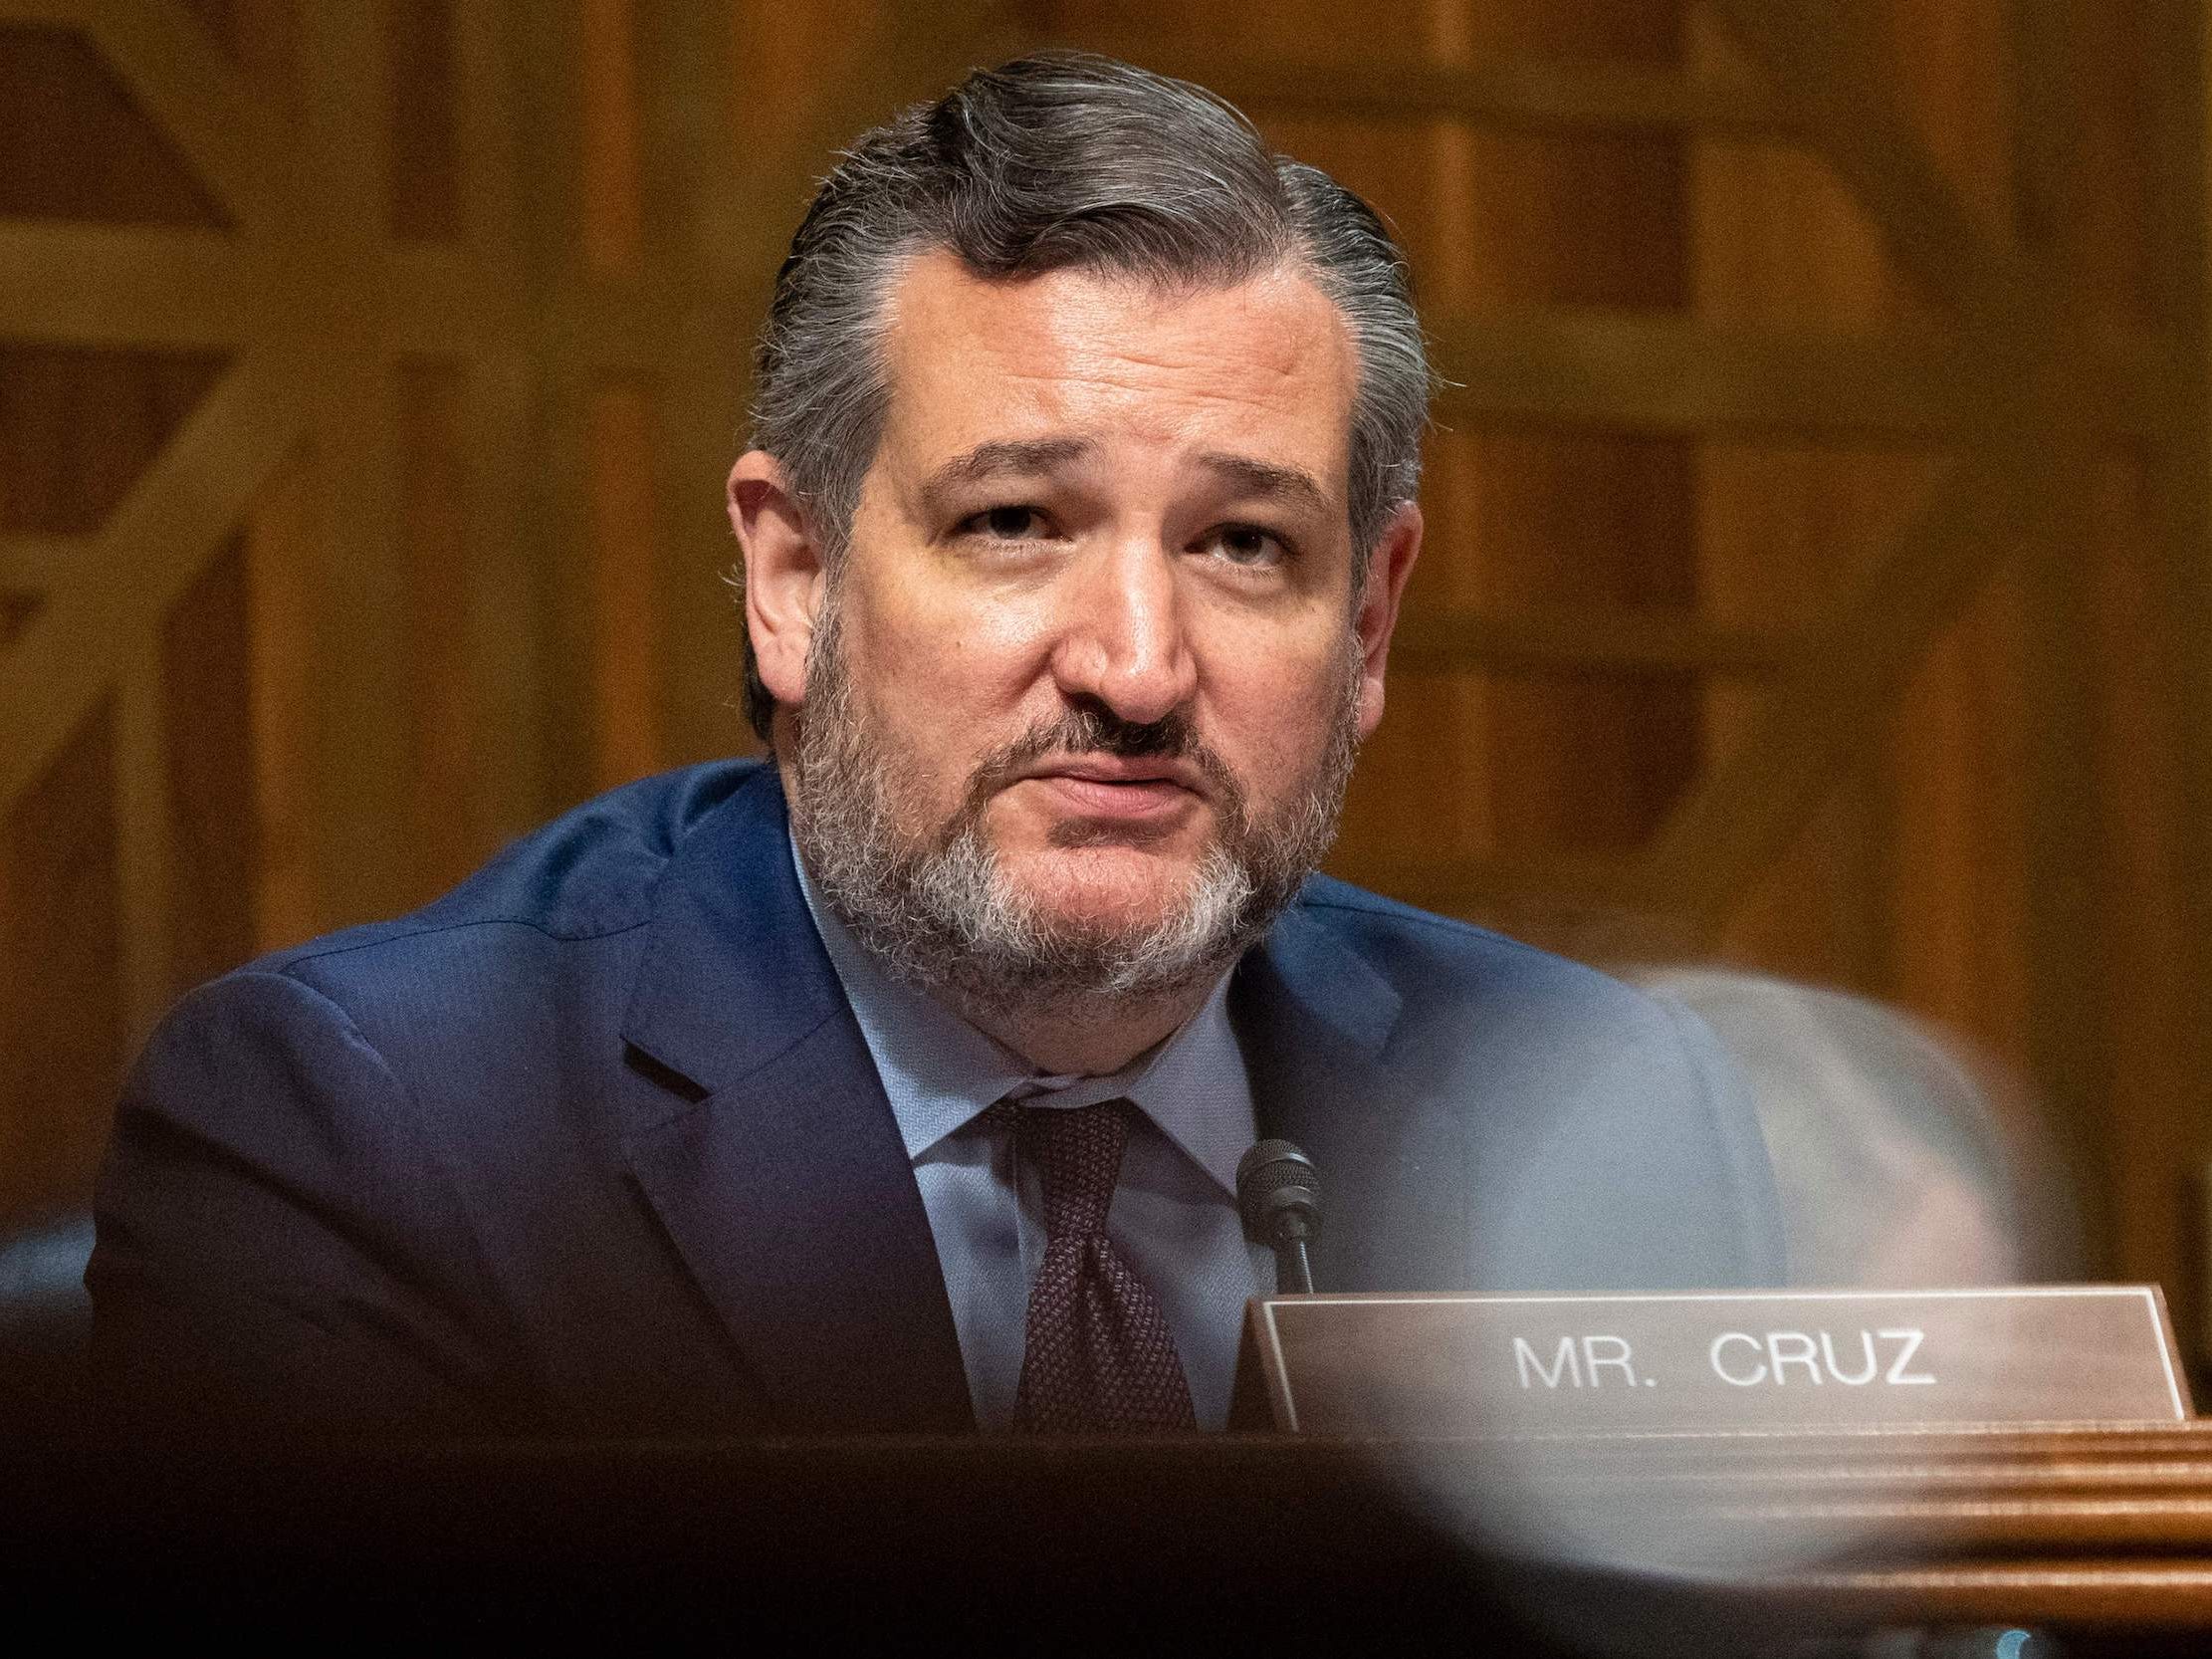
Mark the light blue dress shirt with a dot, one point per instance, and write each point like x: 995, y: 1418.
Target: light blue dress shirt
x: 1173, y: 1215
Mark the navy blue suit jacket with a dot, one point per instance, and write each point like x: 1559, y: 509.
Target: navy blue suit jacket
x: 593, y: 1144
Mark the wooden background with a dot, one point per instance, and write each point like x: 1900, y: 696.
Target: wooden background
x: 1818, y: 569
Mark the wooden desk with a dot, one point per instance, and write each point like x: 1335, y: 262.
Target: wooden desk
x: 2109, y: 1528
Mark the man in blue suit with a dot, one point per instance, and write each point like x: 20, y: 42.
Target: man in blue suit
x: 900, y: 1082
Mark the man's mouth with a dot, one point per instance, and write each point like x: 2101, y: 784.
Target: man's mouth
x: 1114, y: 787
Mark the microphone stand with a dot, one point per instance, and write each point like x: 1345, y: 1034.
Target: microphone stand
x: 1293, y: 1270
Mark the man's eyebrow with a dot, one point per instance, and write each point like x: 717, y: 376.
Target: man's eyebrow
x: 1017, y: 458
x: 1268, y: 481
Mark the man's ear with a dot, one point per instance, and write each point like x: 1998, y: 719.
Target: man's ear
x: 783, y: 573
x: 1387, y: 567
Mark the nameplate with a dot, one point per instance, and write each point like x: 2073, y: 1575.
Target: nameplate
x: 1516, y: 1364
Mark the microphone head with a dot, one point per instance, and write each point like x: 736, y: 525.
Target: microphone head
x: 1277, y: 1186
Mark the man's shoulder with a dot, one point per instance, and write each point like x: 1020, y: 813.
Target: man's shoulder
x: 1425, y: 953
x: 543, y: 942
x: 515, y: 987
x: 589, y: 874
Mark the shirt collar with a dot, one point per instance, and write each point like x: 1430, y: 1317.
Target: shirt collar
x: 940, y: 1072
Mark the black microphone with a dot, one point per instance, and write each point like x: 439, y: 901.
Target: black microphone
x: 1278, y: 1193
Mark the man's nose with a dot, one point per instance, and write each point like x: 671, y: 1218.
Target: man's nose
x: 1124, y: 640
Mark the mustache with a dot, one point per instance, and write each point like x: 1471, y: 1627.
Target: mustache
x: 1096, y: 730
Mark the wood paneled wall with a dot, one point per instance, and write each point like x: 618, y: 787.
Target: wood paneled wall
x: 1818, y: 554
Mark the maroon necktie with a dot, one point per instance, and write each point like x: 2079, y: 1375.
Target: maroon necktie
x: 1099, y: 1358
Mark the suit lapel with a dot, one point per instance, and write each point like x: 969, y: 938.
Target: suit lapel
x: 770, y: 1154
x: 1314, y: 1017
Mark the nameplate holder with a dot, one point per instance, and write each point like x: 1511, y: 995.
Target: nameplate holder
x: 1425, y: 1364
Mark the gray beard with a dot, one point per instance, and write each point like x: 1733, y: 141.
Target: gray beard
x: 938, y: 913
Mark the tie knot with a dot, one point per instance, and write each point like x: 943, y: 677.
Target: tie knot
x: 1077, y: 1152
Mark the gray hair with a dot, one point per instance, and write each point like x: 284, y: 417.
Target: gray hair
x: 1057, y: 161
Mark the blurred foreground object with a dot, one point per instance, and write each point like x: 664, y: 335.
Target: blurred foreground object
x: 1902, y: 1159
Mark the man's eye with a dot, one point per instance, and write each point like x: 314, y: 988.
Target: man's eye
x: 1246, y: 544
x: 1008, y: 524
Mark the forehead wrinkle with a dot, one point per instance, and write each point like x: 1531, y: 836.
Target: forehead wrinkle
x: 1063, y: 353
x: 1195, y: 366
